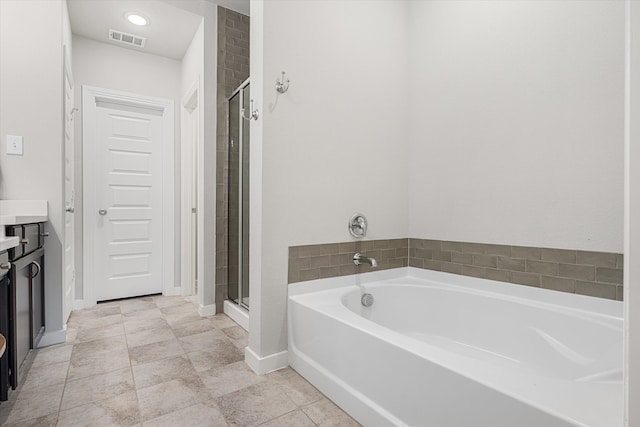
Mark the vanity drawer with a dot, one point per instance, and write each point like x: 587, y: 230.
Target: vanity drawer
x: 18, y: 251
x: 31, y: 238
x: 4, y: 263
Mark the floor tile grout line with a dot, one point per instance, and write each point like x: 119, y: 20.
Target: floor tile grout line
x: 171, y: 328
x: 92, y: 401
x: 282, y: 415
x: 157, y: 359
x: 133, y: 377
x: 66, y: 381
x: 181, y: 409
x: 92, y: 375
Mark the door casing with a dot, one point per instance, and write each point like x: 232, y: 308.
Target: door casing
x: 69, y: 269
x: 190, y: 122
x: 90, y: 95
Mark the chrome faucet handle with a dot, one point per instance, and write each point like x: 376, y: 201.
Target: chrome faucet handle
x: 358, y: 225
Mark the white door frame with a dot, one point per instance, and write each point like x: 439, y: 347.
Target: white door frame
x: 90, y: 95
x: 70, y: 208
x: 190, y: 146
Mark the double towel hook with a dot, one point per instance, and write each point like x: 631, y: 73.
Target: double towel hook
x: 254, y: 113
x: 282, y: 85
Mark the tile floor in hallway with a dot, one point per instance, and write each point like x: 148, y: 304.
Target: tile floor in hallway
x: 154, y: 361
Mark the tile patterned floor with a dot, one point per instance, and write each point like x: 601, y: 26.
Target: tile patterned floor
x: 154, y: 361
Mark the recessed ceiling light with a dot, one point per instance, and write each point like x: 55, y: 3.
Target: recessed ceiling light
x: 137, y: 19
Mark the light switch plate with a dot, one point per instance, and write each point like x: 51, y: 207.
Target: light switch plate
x: 14, y: 145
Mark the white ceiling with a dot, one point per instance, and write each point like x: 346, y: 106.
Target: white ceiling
x: 240, y: 6
x: 169, y: 33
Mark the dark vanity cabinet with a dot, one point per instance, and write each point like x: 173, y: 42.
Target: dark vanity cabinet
x: 24, y: 300
x: 4, y: 323
x: 27, y: 315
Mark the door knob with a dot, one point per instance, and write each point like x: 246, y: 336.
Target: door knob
x: 102, y: 212
x: 70, y: 209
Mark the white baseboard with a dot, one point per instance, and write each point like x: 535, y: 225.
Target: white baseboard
x: 172, y: 291
x: 264, y: 365
x: 78, y: 304
x: 53, y: 337
x: 207, y: 310
x: 237, y: 314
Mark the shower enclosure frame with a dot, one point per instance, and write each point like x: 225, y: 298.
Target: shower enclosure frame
x: 242, y: 252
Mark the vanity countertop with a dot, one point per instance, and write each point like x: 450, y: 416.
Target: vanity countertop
x: 14, y: 212
x: 9, y: 242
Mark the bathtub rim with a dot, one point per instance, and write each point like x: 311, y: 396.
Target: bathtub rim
x: 515, y: 292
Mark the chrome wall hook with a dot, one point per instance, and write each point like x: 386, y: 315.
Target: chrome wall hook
x: 254, y: 113
x: 282, y: 85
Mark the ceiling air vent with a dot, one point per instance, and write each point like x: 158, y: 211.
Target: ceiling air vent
x: 127, y: 38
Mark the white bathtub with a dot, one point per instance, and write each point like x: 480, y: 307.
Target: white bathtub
x: 443, y: 350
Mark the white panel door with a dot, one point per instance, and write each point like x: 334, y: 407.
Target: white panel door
x: 128, y: 195
x: 69, y: 195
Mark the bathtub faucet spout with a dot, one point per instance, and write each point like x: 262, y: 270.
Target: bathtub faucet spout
x: 359, y: 259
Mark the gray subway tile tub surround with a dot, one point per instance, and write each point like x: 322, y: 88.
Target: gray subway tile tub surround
x: 336, y: 259
x: 597, y: 274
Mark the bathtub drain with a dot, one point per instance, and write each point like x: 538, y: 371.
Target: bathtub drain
x: 367, y: 300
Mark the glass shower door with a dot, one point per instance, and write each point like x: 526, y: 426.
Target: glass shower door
x: 238, y: 206
x: 244, y: 204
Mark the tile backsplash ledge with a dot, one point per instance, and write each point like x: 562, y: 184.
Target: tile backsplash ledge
x: 597, y: 274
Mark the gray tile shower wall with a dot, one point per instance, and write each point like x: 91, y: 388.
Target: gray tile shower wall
x: 336, y: 259
x: 233, y: 69
x: 597, y: 274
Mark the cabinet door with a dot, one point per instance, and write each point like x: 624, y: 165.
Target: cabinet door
x: 37, y: 300
x: 21, y: 321
x: 4, y: 330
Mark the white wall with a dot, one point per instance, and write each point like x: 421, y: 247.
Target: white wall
x: 257, y: 333
x: 632, y: 218
x: 192, y: 78
x: 66, y: 29
x: 240, y: 6
x: 206, y: 162
x: 517, y: 123
x: 207, y: 155
x: 490, y: 121
x: 333, y: 145
x: 112, y: 67
x: 31, y: 40
x: 192, y: 64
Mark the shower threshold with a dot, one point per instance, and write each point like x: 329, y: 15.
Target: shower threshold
x: 237, y: 313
